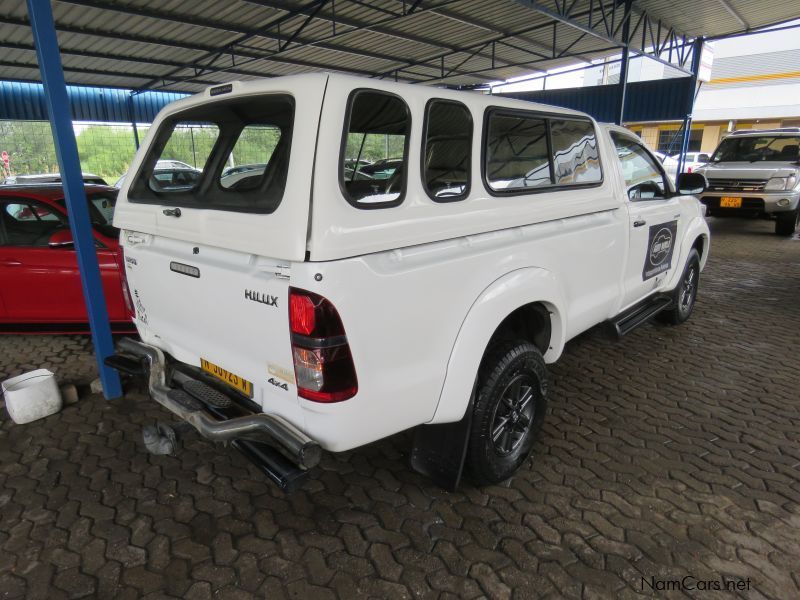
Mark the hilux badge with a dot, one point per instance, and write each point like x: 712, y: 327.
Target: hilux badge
x: 261, y: 297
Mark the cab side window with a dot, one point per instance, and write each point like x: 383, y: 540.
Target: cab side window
x: 447, y: 153
x: 29, y: 223
x: 576, y: 159
x: 517, y: 154
x: 644, y: 179
x: 372, y: 167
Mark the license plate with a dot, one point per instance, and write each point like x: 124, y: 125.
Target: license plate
x: 233, y: 380
x: 730, y: 202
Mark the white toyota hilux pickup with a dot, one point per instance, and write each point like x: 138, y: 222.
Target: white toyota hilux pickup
x: 403, y: 257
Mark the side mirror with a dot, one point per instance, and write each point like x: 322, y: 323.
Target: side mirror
x: 703, y: 158
x: 61, y: 239
x: 691, y: 183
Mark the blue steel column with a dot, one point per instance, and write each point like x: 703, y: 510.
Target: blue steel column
x: 626, y: 55
x: 697, y: 51
x: 44, y: 34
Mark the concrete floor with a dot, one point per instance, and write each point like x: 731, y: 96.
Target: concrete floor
x: 673, y: 453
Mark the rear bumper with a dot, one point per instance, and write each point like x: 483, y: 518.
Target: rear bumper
x: 264, y: 428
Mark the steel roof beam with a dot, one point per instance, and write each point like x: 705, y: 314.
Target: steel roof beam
x: 86, y: 71
x: 735, y: 14
x: 477, y: 72
x: 498, y: 39
x: 302, y: 26
x: 377, y: 26
x: 481, y: 24
x: 671, y: 38
x: 214, y: 56
x: 140, y: 39
x: 211, y: 57
x: 291, y: 11
x: 502, y: 38
x: 127, y: 58
x: 249, y: 32
x: 211, y: 24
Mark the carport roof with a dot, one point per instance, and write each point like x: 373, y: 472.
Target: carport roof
x: 187, y: 45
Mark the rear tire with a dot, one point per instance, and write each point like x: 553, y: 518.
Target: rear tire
x: 510, y: 405
x: 786, y: 222
x: 684, y: 295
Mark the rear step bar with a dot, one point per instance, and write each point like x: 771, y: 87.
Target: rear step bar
x: 640, y: 314
x: 248, y: 433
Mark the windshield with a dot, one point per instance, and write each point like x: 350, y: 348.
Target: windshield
x: 758, y: 148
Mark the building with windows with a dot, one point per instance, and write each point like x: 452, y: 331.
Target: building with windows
x: 754, y: 84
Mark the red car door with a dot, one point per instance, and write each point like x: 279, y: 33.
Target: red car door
x: 40, y: 283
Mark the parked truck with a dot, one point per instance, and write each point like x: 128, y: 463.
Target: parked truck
x: 311, y: 307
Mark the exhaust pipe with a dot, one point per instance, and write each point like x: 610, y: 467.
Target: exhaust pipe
x: 271, y: 429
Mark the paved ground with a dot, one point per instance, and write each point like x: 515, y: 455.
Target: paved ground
x: 673, y: 453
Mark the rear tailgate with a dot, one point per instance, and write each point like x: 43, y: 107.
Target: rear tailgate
x: 224, y: 310
x: 210, y: 283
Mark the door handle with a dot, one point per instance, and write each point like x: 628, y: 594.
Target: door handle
x: 10, y: 263
x: 172, y: 212
x: 639, y: 223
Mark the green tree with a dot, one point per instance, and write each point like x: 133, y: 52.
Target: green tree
x: 106, y: 150
x: 30, y: 147
x: 375, y: 146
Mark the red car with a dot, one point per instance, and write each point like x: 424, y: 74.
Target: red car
x: 40, y: 288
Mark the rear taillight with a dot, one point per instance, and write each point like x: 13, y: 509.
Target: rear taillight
x: 323, y: 364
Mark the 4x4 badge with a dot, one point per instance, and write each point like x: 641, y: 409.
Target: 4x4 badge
x: 261, y: 297
x: 279, y: 384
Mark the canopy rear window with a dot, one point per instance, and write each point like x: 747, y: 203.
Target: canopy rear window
x: 227, y: 155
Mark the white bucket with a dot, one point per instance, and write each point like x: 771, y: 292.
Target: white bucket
x: 31, y: 396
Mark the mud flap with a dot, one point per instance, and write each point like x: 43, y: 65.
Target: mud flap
x: 439, y: 451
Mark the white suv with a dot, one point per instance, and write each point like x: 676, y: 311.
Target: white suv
x: 307, y: 308
x: 756, y: 173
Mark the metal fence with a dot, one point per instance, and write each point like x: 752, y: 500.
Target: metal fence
x: 107, y: 149
x: 104, y: 149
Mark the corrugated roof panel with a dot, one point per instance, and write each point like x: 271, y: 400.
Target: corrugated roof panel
x: 713, y: 19
x: 125, y: 43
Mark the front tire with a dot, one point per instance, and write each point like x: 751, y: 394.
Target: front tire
x: 786, y: 222
x: 510, y: 405
x: 685, y: 294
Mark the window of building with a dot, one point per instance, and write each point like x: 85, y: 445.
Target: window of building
x: 447, y: 153
x: 670, y: 140
x: 576, y: 159
x: 375, y: 149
